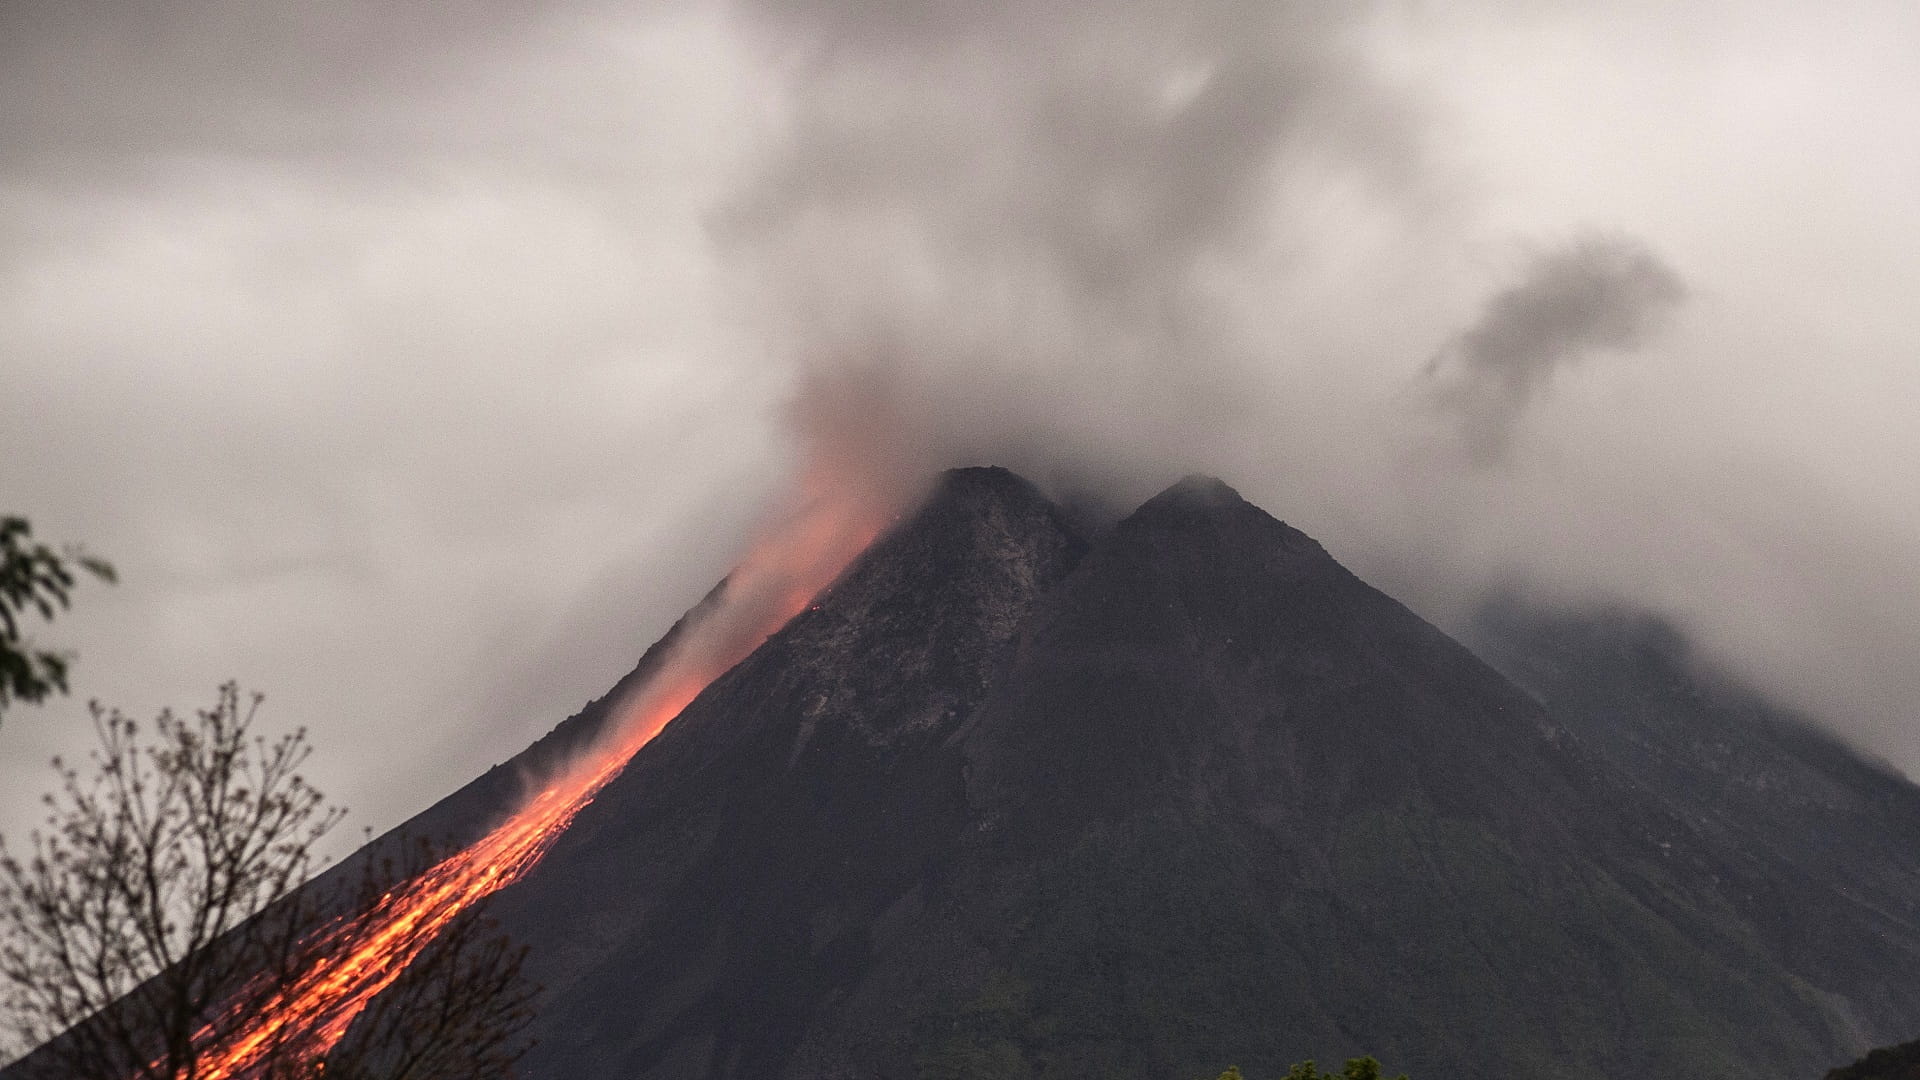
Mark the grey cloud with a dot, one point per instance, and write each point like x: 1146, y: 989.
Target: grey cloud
x: 1107, y: 244
x: 1106, y: 145
x: 1597, y: 293
x: 417, y: 363
x: 112, y: 95
x: 1019, y: 215
x: 363, y: 338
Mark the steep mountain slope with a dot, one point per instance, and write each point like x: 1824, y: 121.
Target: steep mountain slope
x: 727, y: 887
x: 1009, y: 801
x: 1888, y: 1063
x: 1811, y: 843
x: 1245, y: 804
x: 1008, y: 804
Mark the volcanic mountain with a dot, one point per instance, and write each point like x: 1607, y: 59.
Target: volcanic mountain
x: 1011, y: 800
x: 1015, y: 798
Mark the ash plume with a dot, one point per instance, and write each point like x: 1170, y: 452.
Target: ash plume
x: 393, y: 326
x: 1024, y: 228
x: 1597, y: 293
x: 1109, y: 244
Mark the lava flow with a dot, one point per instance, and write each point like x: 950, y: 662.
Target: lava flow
x: 361, y: 956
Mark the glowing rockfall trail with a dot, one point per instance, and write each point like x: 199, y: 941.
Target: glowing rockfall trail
x: 357, y: 958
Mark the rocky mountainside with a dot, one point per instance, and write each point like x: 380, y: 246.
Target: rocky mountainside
x: 1888, y: 1063
x: 1810, y: 843
x: 1012, y: 801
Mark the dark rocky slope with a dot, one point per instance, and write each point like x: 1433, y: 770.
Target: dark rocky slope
x: 726, y: 890
x: 1888, y: 1063
x: 1812, y: 844
x: 1009, y: 801
x: 1008, y: 804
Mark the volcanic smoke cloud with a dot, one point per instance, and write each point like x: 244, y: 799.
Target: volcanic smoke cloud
x: 1023, y: 227
x: 392, y: 326
x: 1598, y: 293
x: 1109, y: 243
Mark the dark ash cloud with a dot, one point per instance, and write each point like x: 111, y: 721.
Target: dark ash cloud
x: 418, y: 363
x: 1595, y: 294
x: 1107, y: 244
x: 1024, y: 226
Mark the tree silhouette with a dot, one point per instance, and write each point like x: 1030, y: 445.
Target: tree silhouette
x: 167, y: 907
x: 35, y: 579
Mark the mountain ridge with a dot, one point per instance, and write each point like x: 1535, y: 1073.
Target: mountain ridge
x: 1017, y: 799
x: 931, y: 827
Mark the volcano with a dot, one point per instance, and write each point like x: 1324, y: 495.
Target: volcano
x: 1019, y: 798
x: 1015, y: 798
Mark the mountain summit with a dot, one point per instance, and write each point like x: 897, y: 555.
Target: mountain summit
x: 1010, y: 800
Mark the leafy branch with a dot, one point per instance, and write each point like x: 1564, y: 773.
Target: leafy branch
x: 36, y: 579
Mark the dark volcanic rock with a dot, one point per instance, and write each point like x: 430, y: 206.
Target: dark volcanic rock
x: 1006, y: 803
x: 734, y: 883
x: 1888, y: 1063
x: 1811, y: 844
x: 1235, y: 805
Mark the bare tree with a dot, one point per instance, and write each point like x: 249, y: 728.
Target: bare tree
x: 165, y: 911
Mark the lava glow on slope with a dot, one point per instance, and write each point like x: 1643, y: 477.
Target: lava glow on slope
x: 359, y: 957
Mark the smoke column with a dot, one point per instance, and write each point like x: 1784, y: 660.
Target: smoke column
x: 1110, y: 243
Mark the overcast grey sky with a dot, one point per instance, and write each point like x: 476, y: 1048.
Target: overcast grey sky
x: 418, y: 363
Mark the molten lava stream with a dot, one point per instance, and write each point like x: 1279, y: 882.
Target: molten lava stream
x: 361, y: 956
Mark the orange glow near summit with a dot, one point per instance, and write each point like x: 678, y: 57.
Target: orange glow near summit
x: 360, y: 956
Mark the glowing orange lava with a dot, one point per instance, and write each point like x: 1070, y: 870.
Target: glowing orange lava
x: 360, y: 957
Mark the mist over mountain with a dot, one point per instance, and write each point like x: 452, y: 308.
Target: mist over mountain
x: 1019, y: 798
x: 417, y: 365
x: 464, y: 341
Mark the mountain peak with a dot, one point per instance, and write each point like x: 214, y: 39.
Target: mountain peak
x: 984, y: 490
x: 1204, y: 490
x: 984, y: 477
x: 1203, y: 517
x: 1013, y: 800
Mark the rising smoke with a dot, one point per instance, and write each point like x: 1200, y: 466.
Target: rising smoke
x: 1110, y: 243
x: 385, y: 325
x: 1029, y: 229
x: 1599, y: 293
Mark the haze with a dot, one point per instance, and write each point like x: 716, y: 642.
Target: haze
x: 418, y: 364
